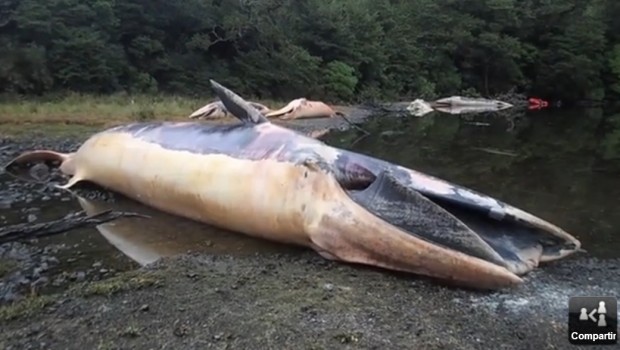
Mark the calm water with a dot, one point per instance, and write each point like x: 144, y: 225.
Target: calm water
x: 562, y: 166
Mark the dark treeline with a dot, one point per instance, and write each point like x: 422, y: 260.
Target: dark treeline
x: 338, y: 50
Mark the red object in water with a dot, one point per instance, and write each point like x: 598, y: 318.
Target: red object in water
x: 537, y: 103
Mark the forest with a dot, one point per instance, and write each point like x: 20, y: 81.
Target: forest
x: 336, y: 50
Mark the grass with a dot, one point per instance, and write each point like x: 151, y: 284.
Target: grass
x: 95, y: 110
x: 131, y: 331
x: 103, y: 110
x: 26, y: 307
x: 128, y: 281
x: 131, y: 280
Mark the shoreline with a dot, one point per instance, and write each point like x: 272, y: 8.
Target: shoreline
x: 275, y: 300
x: 75, y: 128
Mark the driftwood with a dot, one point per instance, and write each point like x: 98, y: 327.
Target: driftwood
x: 516, y: 99
x: 70, y: 222
x: 352, y: 124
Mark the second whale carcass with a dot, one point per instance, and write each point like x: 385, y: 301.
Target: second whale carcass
x: 268, y: 181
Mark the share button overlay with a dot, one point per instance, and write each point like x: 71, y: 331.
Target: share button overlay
x: 593, y: 320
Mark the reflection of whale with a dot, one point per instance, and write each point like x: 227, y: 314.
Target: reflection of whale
x: 457, y: 105
x: 467, y: 109
x: 146, y: 240
x: 469, y: 102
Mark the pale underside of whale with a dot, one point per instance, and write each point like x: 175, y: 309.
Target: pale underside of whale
x: 270, y: 182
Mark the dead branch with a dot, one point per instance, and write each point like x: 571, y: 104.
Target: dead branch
x: 70, y: 222
x: 353, y: 125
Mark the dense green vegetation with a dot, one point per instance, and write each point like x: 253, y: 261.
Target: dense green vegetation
x: 338, y: 50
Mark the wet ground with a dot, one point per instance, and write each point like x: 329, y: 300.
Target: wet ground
x: 232, y: 291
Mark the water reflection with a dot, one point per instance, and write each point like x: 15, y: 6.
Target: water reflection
x: 562, y: 166
x: 146, y: 240
x: 610, y: 144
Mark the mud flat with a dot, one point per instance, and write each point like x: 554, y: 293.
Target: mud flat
x: 287, y: 300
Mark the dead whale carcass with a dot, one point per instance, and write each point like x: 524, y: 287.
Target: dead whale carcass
x: 271, y: 182
x: 217, y: 110
x: 303, y: 108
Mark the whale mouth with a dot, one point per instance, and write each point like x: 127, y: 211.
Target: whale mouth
x: 516, y: 246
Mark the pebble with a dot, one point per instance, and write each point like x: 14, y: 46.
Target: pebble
x: 81, y: 276
x: 52, y: 260
x: 39, y: 171
x: 59, y: 281
x: 41, y: 281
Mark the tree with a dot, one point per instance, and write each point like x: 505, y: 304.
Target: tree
x: 337, y: 50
